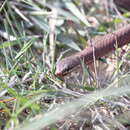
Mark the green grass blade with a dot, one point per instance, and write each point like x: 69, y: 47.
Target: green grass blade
x: 25, y: 48
x: 14, y: 42
x: 76, y: 12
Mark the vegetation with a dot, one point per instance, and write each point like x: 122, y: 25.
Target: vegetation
x: 34, y: 36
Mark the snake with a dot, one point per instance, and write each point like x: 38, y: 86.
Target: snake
x: 97, y: 48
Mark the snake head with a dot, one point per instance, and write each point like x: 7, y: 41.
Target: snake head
x: 66, y: 65
x: 62, y: 67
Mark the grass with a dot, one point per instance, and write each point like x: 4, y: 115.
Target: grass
x: 31, y: 42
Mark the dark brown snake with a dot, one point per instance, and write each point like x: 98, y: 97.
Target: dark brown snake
x: 102, y: 46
